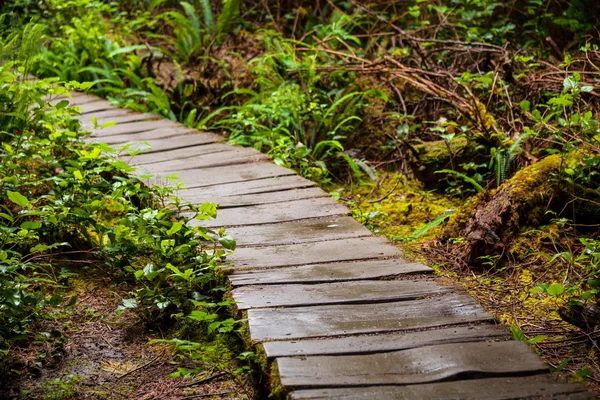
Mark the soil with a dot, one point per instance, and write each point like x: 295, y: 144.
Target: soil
x: 99, y: 355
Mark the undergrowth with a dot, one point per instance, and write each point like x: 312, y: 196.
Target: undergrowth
x: 67, y: 205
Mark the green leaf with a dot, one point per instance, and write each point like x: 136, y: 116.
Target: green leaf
x: 176, y: 227
x: 517, y: 333
x: 556, y: 289
x: 77, y: 173
x: 228, y: 242
x: 18, y: 198
x: 129, y: 303
x: 30, y: 225
x: 108, y: 124
x: 525, y: 105
x: 62, y: 104
x: 537, y: 339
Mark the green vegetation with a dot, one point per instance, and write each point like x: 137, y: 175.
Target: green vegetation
x: 465, y: 130
x: 67, y: 207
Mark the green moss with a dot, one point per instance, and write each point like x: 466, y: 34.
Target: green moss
x: 404, y: 208
x: 277, y: 390
x: 437, y: 151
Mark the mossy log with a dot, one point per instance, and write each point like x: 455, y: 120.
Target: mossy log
x: 489, y: 223
x: 436, y: 155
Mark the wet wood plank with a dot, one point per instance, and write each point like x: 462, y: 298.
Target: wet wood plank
x: 76, y: 98
x: 175, y: 142
x: 421, y: 365
x: 194, y: 150
x: 356, y: 292
x: 303, y: 231
x: 365, y: 344
x: 238, y: 155
x: 313, y: 253
x: 247, y: 187
x: 261, y: 198
x: 337, y: 320
x: 118, y: 115
x: 330, y: 272
x: 532, y: 387
x: 93, y: 106
x: 140, y: 126
x: 162, y: 133
x: 230, y: 174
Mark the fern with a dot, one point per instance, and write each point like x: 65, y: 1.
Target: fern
x: 209, y: 18
x: 464, y: 177
x: 230, y: 11
x: 503, y: 159
x: 424, y: 229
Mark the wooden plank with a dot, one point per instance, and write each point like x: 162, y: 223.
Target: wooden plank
x: 303, y: 231
x: 246, y: 187
x: 364, y: 344
x: 175, y: 142
x: 337, y: 320
x: 266, y: 214
x: 312, y: 253
x: 162, y: 133
x: 330, y: 272
x: 75, y: 99
x: 239, y: 155
x: 94, y: 106
x: 193, y: 150
x: 140, y: 126
x: 260, y: 198
x: 230, y: 174
x: 355, y: 292
x: 531, y: 387
x: 421, y: 365
x: 118, y: 115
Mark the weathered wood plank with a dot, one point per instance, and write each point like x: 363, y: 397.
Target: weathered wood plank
x: 246, y: 187
x: 117, y: 115
x: 303, y: 231
x: 194, y: 150
x: 238, y: 155
x: 76, y: 99
x: 421, y: 365
x: 140, y: 126
x: 364, y: 344
x: 337, y: 320
x: 175, y: 142
x: 161, y: 133
x: 355, y: 292
x: 260, y: 198
x: 531, y: 387
x: 313, y: 253
x: 92, y: 107
x: 230, y: 174
x: 330, y: 272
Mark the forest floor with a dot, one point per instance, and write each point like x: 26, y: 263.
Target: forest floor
x: 102, y: 355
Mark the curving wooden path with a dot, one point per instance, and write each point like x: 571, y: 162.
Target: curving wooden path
x: 335, y: 311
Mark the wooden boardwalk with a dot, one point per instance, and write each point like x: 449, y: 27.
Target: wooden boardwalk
x: 334, y: 311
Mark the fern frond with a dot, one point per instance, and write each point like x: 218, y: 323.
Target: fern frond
x: 209, y: 18
x: 230, y: 11
x: 464, y: 177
